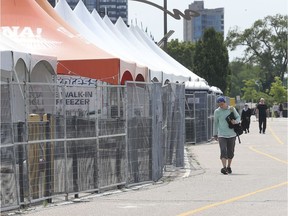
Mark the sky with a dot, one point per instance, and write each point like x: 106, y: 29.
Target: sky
x: 240, y: 13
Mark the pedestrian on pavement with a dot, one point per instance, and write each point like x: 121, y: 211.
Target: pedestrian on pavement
x: 225, y: 135
x: 262, y: 113
x: 245, y: 118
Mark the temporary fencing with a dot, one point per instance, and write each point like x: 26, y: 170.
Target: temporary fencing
x: 58, y: 140
x: 199, y: 111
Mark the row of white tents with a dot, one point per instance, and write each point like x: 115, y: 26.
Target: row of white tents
x: 141, y: 58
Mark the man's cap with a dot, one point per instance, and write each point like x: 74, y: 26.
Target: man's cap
x: 246, y: 104
x: 221, y: 100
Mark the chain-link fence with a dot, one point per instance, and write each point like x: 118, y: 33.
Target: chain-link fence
x: 60, y: 139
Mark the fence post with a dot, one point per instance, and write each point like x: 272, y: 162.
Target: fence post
x: 21, y: 159
x: 75, y: 160
x: 96, y: 153
x: 48, y: 187
x: 180, y: 103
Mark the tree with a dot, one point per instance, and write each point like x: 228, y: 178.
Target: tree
x: 240, y: 72
x: 211, y: 59
x: 182, y: 52
x: 265, y: 45
x: 278, y: 91
x: 250, y: 92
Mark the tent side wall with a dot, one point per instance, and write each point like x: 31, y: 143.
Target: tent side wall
x: 103, y: 67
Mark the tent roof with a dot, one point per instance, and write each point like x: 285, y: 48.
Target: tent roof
x: 26, y: 23
x: 79, y: 19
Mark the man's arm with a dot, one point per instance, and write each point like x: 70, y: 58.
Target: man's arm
x: 256, y: 111
x: 267, y: 111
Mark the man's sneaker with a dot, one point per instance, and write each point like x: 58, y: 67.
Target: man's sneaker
x: 229, y: 170
x: 224, y: 171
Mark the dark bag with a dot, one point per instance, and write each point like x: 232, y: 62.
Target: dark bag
x: 237, y: 127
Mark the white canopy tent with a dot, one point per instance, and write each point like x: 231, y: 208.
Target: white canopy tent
x: 197, y: 85
x: 130, y: 44
x: 141, y: 36
x: 151, y: 58
x: 97, y: 38
x: 121, y: 41
x: 136, y: 52
x: 216, y: 90
x: 19, y: 68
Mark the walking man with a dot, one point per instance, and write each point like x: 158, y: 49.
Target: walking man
x: 262, y: 113
x: 225, y: 135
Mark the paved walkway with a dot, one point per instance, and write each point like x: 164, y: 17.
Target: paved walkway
x: 257, y: 186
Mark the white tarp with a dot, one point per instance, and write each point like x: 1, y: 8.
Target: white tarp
x: 20, y: 68
x: 139, y: 56
x: 179, y: 68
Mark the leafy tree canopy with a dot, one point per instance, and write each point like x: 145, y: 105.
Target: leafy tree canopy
x: 278, y: 91
x: 211, y: 59
x: 182, y: 51
x: 265, y: 45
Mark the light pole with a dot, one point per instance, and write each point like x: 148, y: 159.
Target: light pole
x: 165, y: 25
x: 176, y: 14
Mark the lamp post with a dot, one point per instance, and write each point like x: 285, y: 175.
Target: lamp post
x: 165, y: 25
x: 176, y: 14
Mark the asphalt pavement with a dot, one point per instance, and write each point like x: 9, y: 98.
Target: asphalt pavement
x: 256, y: 187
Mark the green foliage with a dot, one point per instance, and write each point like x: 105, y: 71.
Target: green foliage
x: 278, y: 91
x: 265, y: 45
x: 182, y: 51
x: 251, y: 91
x: 211, y: 59
x: 240, y: 72
x: 277, y: 94
x: 252, y: 77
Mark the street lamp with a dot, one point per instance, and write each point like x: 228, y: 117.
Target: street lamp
x: 176, y: 14
x: 165, y: 38
x: 165, y: 25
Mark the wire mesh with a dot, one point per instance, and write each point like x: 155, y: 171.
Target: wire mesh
x: 65, y: 139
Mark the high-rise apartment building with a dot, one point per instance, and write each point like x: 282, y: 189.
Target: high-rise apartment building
x: 193, y: 29
x: 113, y: 8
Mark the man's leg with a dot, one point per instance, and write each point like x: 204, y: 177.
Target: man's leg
x: 223, y: 153
x: 260, y: 124
x: 264, y: 125
x: 224, y: 162
x: 230, y: 152
x: 229, y: 162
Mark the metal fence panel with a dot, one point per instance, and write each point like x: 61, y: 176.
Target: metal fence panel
x: 139, y: 128
x: 211, y: 108
x: 190, y: 128
x: 9, y: 163
x: 111, y: 135
x: 6, y: 115
x: 157, y: 136
x: 8, y: 178
x: 174, y: 124
x: 201, y: 109
x: 62, y: 139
